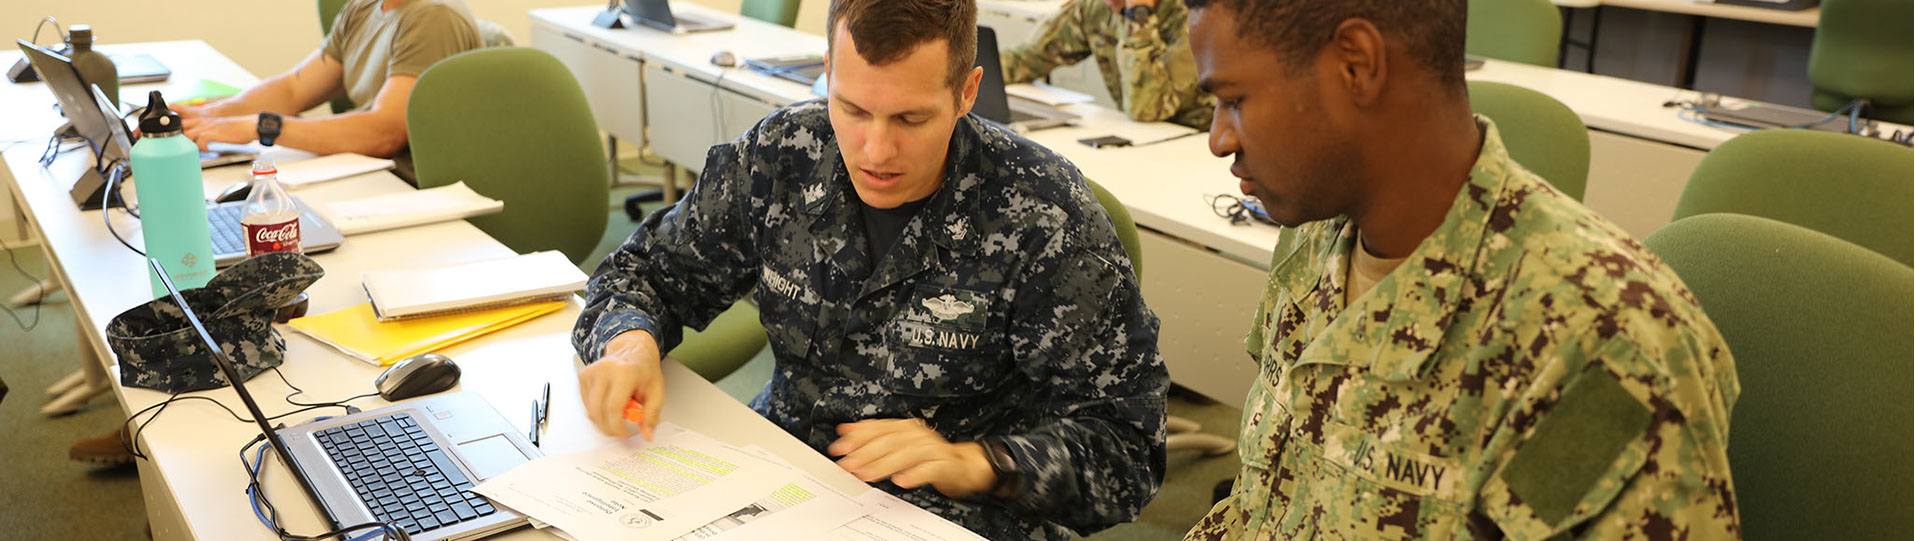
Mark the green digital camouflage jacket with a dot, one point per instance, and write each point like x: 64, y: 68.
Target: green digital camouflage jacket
x: 1147, y: 66
x: 1529, y: 371
x: 1007, y: 309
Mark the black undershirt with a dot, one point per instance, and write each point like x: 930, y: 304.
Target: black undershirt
x: 882, y: 227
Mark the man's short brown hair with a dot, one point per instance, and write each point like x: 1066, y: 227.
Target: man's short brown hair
x: 887, y: 30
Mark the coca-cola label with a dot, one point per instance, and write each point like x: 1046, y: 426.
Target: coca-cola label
x: 275, y: 237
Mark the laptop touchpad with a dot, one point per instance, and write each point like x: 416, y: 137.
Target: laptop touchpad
x: 490, y: 456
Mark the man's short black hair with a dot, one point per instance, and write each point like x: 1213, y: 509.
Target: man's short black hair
x: 1432, y: 30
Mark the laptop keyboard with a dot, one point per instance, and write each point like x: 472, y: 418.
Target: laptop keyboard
x: 401, y: 475
x: 228, y: 236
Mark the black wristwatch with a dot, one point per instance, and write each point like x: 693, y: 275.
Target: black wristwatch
x: 1138, y: 14
x: 269, y: 124
x: 1010, y: 481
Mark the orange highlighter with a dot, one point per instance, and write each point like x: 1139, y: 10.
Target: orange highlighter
x: 634, y: 412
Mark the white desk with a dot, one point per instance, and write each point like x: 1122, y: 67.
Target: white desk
x: 1807, y: 18
x: 1203, y: 274
x: 193, y: 484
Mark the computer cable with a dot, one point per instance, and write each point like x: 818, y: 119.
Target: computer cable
x: 129, y: 439
x: 39, y: 291
x: 112, y: 179
x: 64, y: 38
x: 269, y: 516
x: 1239, y: 210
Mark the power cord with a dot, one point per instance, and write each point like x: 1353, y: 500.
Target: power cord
x: 129, y: 440
x: 269, y: 516
x: 112, y: 179
x: 1240, y: 210
x: 39, y: 291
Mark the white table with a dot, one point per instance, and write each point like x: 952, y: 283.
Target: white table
x: 193, y: 484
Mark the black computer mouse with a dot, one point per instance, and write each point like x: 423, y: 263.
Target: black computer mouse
x: 417, y: 375
x: 237, y: 192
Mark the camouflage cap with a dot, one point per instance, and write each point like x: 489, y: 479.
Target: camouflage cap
x: 158, y: 349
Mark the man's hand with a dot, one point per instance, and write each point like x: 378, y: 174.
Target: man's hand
x: 912, y: 455
x: 628, y: 371
x: 226, y: 129
x: 187, y: 112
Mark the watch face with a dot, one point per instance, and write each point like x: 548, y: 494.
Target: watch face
x: 269, y: 124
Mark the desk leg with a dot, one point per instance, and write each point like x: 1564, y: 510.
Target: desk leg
x: 92, y: 380
x: 1595, y: 30
x: 611, y: 157
x: 1691, y: 51
x: 1562, y: 41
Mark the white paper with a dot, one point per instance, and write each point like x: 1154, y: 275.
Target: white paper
x: 1047, y: 94
x: 802, y: 510
x: 451, y: 202
x: 637, y: 490
x: 893, y: 519
x: 298, y: 174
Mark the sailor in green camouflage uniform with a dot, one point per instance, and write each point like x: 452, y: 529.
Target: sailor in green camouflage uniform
x: 1523, y: 369
x: 1142, y: 50
x: 1004, y: 314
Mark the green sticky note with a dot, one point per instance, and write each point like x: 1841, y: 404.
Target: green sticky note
x: 1575, y: 444
x: 207, y: 90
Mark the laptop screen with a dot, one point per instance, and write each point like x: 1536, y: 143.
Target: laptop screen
x: 991, y: 103
x: 75, y: 101
x: 656, y: 11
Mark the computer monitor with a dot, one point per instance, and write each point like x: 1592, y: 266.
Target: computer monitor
x: 991, y: 102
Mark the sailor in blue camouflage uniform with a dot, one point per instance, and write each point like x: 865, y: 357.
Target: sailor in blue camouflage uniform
x: 950, y: 309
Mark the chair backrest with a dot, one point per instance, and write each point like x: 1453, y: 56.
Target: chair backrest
x: 779, y: 12
x: 1126, y: 229
x: 1540, y: 133
x: 1819, y: 441
x: 513, y: 124
x: 1864, y: 49
x: 1526, y: 31
x: 1854, y: 188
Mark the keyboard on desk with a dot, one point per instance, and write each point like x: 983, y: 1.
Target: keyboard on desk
x: 401, y: 475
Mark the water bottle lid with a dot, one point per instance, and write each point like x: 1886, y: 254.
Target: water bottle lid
x: 157, y: 120
x: 264, y: 167
x: 80, y: 34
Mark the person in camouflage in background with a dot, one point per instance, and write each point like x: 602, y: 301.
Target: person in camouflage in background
x: 1449, y: 347
x: 950, y: 309
x: 1142, y: 50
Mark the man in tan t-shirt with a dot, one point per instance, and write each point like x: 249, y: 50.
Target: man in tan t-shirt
x: 376, y: 50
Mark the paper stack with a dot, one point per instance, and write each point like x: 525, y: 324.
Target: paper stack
x: 684, y: 486
x: 445, y: 203
x: 434, y: 291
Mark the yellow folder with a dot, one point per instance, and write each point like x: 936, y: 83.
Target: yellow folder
x: 357, y: 332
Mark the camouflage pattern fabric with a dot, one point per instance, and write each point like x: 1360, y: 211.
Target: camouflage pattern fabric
x: 1529, y: 372
x: 158, y: 349
x: 1008, y: 308
x: 1147, y: 66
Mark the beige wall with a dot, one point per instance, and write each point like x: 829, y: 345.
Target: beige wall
x: 263, y: 36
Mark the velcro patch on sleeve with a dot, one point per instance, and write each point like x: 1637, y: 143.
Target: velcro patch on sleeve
x: 1575, y: 444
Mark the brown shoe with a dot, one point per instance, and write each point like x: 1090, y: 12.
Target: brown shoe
x: 102, y: 449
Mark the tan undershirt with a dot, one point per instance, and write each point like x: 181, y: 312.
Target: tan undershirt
x: 1365, y: 271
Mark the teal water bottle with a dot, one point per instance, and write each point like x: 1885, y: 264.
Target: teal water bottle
x: 166, y: 176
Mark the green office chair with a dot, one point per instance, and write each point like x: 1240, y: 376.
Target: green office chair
x: 1183, y: 432
x: 512, y: 123
x: 1862, y: 49
x: 779, y: 12
x: 1527, y: 31
x: 1540, y: 133
x: 1854, y: 188
x: 1819, y: 328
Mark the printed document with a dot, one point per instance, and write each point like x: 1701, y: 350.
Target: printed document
x: 637, y: 490
x: 803, y: 509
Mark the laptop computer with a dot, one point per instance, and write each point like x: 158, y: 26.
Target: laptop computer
x: 410, y: 465
x: 316, y: 234
x: 994, y: 105
x: 88, y: 118
x: 658, y: 14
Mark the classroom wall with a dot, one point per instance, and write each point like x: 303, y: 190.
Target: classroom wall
x: 1756, y: 61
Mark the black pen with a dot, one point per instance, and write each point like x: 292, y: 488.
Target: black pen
x: 545, y: 405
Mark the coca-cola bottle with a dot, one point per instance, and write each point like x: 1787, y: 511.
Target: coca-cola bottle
x: 270, y: 219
